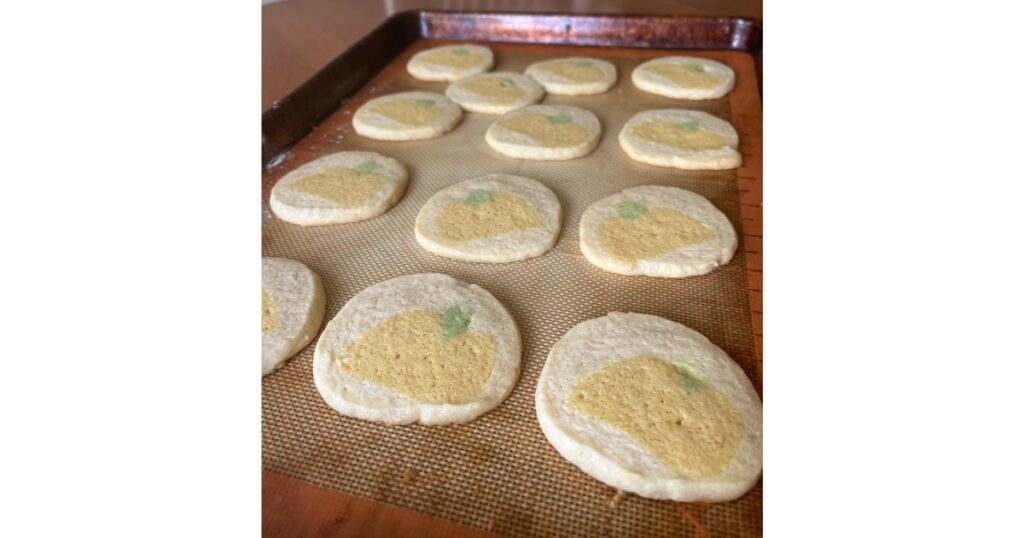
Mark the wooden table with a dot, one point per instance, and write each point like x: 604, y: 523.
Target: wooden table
x: 300, y: 37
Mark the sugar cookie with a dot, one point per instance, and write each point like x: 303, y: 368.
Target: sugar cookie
x: 684, y: 77
x: 652, y: 407
x: 495, y: 218
x: 545, y: 132
x: 656, y: 231
x: 450, y: 62
x: 293, y: 310
x: 678, y: 138
x: 494, y: 93
x: 418, y: 348
x: 340, y: 187
x: 574, y: 76
x: 407, y: 116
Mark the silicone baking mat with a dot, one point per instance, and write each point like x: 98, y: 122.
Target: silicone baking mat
x: 498, y: 472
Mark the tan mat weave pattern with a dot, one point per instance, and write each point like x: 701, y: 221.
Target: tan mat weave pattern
x: 498, y: 472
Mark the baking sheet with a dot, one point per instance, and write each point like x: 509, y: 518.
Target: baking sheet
x: 498, y: 472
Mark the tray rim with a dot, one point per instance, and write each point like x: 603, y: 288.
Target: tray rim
x: 295, y: 115
x: 406, y: 28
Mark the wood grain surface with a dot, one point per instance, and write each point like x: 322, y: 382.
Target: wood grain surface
x: 300, y: 37
x: 292, y: 508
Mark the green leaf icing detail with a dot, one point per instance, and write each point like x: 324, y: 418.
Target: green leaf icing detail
x: 584, y: 64
x: 455, y: 320
x: 460, y: 52
x: 478, y: 197
x: 425, y: 102
x: 688, y: 379
x: 365, y: 167
x: 560, y: 118
x: 695, y: 67
x: 507, y: 83
x: 692, y: 125
x: 630, y: 210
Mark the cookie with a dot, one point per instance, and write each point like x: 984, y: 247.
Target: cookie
x: 293, y: 310
x: 678, y: 138
x: 684, y: 77
x: 656, y: 231
x: 574, y: 76
x: 450, y: 62
x: 545, y: 132
x: 649, y: 406
x: 340, y: 187
x: 407, y: 116
x: 420, y: 348
x: 495, y: 219
x: 494, y: 93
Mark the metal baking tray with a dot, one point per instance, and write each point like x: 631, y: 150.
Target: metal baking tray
x: 498, y: 473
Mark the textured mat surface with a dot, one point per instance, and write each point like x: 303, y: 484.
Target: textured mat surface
x: 498, y: 472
